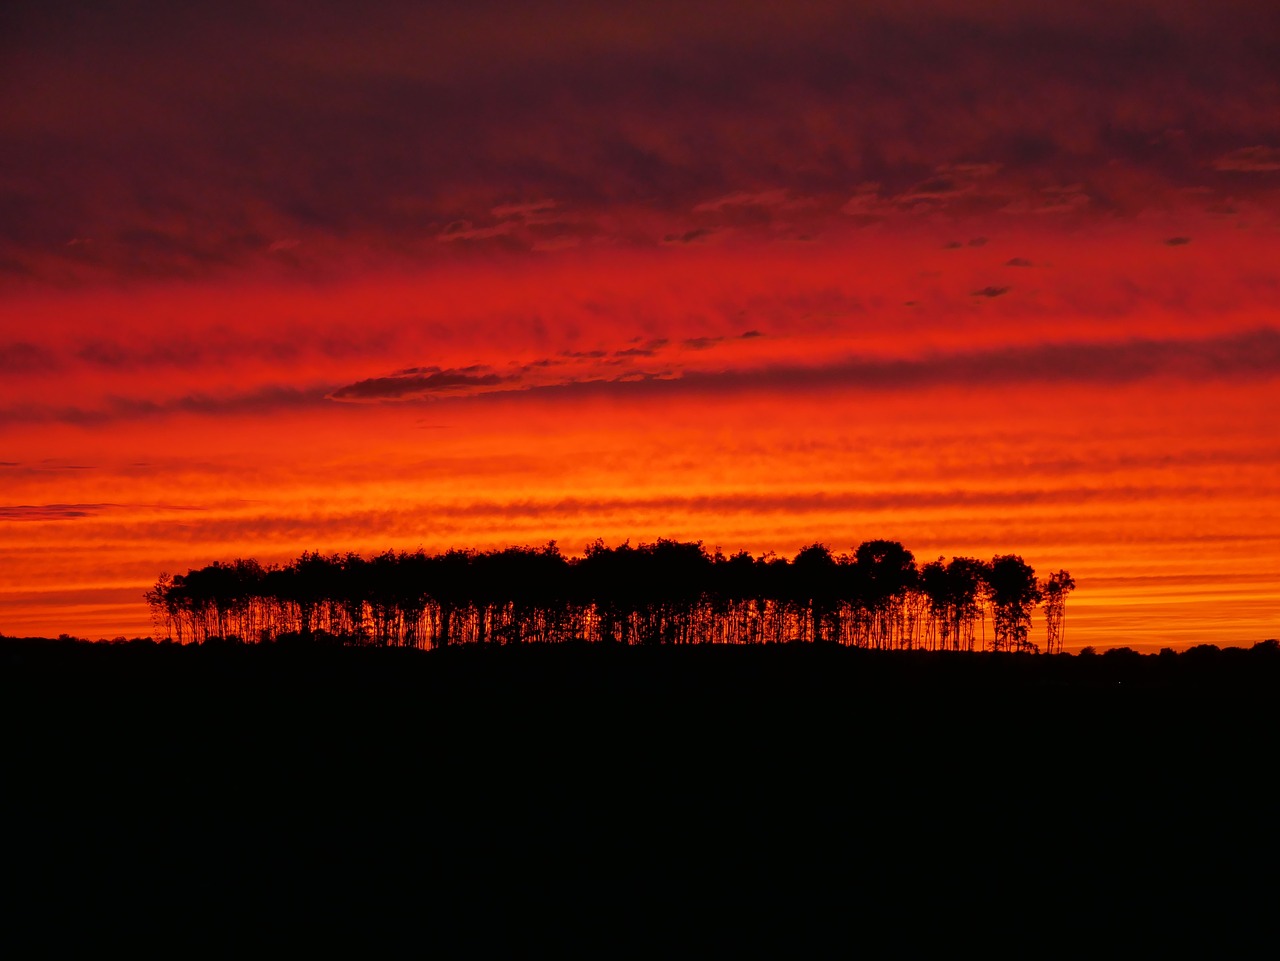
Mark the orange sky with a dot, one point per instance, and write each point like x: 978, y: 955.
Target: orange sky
x: 740, y: 286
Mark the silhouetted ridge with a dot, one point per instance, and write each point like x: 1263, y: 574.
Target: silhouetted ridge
x: 666, y: 592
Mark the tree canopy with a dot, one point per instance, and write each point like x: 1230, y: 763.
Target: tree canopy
x: 663, y: 592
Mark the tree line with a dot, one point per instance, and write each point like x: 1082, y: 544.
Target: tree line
x: 665, y: 592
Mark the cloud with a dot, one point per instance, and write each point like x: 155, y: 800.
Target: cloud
x: 761, y: 198
x: 1252, y: 355
x: 701, y: 343
x: 1177, y: 241
x: 463, y: 230
x: 1257, y: 159
x: 464, y: 517
x: 270, y: 399
x: 49, y: 464
x: 991, y: 291
x: 1018, y: 262
x: 362, y: 138
x: 62, y: 512
x: 741, y: 502
x: 645, y: 348
x: 419, y: 382
x: 524, y: 211
x: 187, y: 349
x: 49, y: 512
x: 24, y: 358
x: 1058, y: 199
x: 689, y: 236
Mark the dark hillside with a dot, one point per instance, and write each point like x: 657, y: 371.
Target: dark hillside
x: 304, y: 783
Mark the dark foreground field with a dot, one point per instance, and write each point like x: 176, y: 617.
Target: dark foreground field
x: 770, y: 793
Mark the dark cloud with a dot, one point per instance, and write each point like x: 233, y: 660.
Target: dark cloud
x: 803, y: 503
x: 1257, y: 159
x: 49, y: 512
x: 645, y: 348
x: 761, y: 200
x: 688, y: 237
x: 991, y: 291
x: 701, y: 343
x: 269, y: 399
x: 186, y: 351
x: 1253, y: 355
x: 1018, y: 262
x: 60, y: 512
x: 411, y: 371
x: 266, y: 400
x: 135, y: 145
x: 1178, y: 241
x: 417, y: 382
x: 25, y: 358
x: 750, y: 503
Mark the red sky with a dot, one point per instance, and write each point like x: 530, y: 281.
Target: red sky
x: 980, y: 277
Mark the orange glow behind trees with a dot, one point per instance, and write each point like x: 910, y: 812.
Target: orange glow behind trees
x: 753, y: 306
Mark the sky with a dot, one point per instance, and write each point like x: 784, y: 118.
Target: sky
x: 982, y: 277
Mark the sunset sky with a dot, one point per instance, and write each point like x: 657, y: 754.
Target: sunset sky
x: 982, y: 277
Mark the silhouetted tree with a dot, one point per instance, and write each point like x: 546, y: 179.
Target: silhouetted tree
x: 1014, y: 594
x: 665, y: 592
x: 1054, y: 592
x: 815, y: 586
x: 885, y: 572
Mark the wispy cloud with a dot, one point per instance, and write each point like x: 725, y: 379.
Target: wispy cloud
x: 66, y: 512
x: 1253, y: 355
x: 266, y: 400
x: 25, y: 358
x: 1255, y: 159
x: 1249, y: 356
x: 418, y: 382
x: 49, y: 512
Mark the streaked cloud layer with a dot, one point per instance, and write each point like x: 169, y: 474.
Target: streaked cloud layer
x: 976, y: 275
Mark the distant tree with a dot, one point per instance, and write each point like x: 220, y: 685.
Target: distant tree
x: 1054, y: 592
x: 163, y: 601
x: 968, y: 585
x: 664, y: 592
x: 815, y: 587
x: 885, y: 573
x: 1014, y: 595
